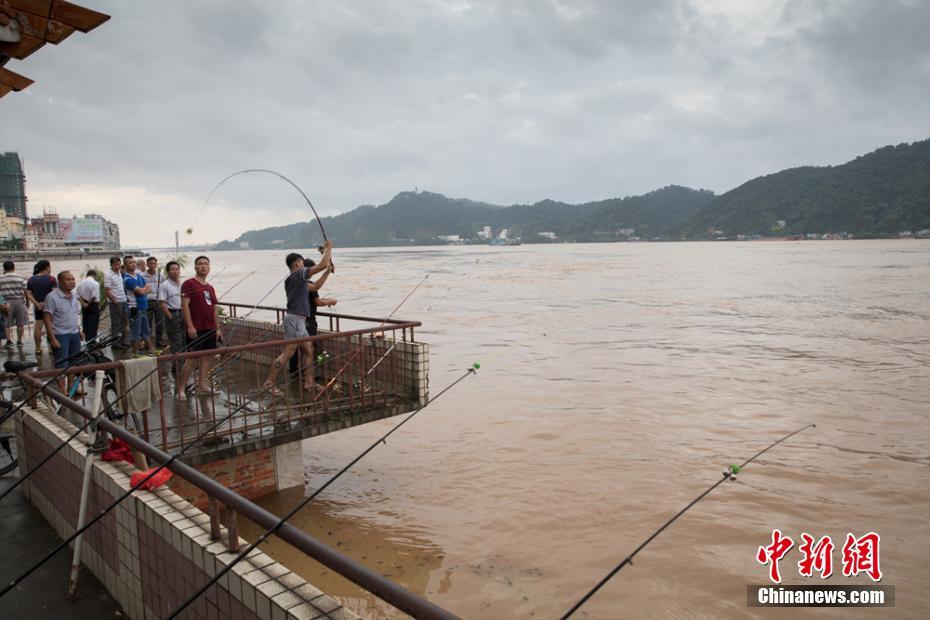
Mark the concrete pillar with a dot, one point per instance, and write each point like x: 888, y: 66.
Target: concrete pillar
x: 289, y: 465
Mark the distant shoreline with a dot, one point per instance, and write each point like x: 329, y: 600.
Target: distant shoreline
x: 288, y: 248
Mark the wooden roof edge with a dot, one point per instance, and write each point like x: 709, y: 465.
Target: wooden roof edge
x: 78, y: 17
x: 14, y: 80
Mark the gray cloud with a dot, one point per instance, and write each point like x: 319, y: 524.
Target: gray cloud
x: 498, y: 101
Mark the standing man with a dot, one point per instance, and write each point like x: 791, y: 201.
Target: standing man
x: 297, y: 287
x: 312, y: 328
x: 154, y: 279
x: 13, y: 290
x: 137, y: 300
x: 38, y: 287
x: 62, y: 315
x: 88, y: 293
x: 201, y: 319
x: 169, y: 304
x: 114, y: 289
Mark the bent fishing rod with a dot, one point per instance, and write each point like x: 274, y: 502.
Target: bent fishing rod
x: 381, y: 440
x: 728, y: 474
x: 142, y: 481
x: 306, y: 198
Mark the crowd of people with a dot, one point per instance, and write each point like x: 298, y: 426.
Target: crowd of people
x: 152, y: 312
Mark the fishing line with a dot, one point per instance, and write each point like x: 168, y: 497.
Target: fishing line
x: 119, y: 398
x: 362, y: 342
x: 383, y: 439
x: 319, y: 221
x: 126, y: 494
x: 728, y: 474
x: 158, y: 469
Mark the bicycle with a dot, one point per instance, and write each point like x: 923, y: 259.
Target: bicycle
x: 91, y: 354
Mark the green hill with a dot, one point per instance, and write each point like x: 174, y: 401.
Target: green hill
x: 421, y: 217
x: 874, y: 195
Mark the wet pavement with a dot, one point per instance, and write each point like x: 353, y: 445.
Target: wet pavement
x: 25, y: 538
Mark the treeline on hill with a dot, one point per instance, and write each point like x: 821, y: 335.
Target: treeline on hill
x: 875, y: 195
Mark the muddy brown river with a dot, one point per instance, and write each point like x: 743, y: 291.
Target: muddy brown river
x: 616, y: 382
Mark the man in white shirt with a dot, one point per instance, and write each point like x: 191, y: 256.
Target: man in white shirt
x: 88, y: 293
x: 169, y: 304
x: 154, y: 280
x: 115, y: 291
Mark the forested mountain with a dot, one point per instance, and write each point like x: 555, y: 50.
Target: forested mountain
x: 874, y: 195
x: 879, y: 194
x: 421, y: 217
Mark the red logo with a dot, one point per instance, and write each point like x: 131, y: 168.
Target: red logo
x: 860, y: 555
x: 773, y: 553
x: 817, y: 557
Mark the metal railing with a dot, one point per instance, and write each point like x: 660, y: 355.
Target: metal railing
x: 359, y: 574
x: 335, y: 320
x: 370, y: 371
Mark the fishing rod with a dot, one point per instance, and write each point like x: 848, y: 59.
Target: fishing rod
x: 473, y: 369
x: 55, y: 451
x: 728, y: 474
x: 148, y: 477
x: 119, y: 398
x: 122, y: 497
x: 306, y: 198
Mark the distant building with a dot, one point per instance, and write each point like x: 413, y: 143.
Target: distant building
x: 780, y: 223
x: 243, y: 245
x: 91, y: 233
x: 485, y: 233
x: 450, y: 238
x: 503, y: 233
x: 547, y: 235
x: 13, y: 191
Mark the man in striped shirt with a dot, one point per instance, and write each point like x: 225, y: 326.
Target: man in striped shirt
x: 13, y: 290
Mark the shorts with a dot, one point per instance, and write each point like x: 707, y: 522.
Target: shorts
x: 205, y: 341
x: 295, y: 327
x: 18, y: 314
x: 38, y: 314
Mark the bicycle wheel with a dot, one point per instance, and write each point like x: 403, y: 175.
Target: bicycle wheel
x: 110, y: 404
x: 8, y: 458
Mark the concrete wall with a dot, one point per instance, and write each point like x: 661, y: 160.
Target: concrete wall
x: 154, y: 549
x: 250, y: 474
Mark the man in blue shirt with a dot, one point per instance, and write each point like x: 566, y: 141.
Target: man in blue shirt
x: 135, y: 285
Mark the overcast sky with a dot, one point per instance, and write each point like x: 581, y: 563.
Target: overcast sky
x: 504, y: 102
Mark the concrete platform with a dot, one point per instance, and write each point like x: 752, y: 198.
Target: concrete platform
x: 25, y: 538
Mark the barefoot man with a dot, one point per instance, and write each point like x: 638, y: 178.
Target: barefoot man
x: 297, y: 287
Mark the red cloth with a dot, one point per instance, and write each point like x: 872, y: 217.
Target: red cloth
x: 202, y: 298
x: 118, y: 450
x: 152, y: 483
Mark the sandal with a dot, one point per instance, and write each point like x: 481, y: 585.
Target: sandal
x: 272, y: 389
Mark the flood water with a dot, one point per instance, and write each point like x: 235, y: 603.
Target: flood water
x: 616, y: 382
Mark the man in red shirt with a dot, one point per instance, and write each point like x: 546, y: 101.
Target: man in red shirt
x: 198, y: 306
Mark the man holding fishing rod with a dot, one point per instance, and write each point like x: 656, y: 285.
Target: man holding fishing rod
x: 297, y: 287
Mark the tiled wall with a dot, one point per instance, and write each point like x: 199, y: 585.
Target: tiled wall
x: 154, y: 549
